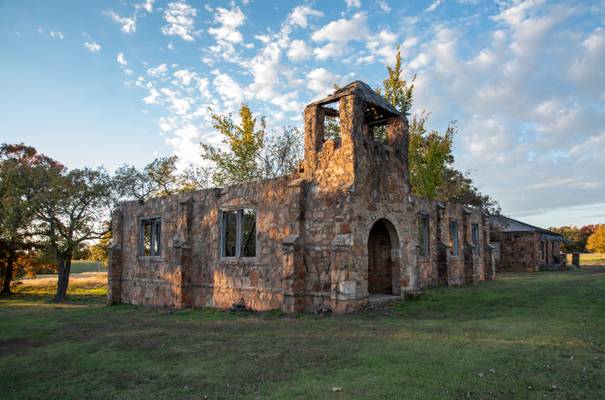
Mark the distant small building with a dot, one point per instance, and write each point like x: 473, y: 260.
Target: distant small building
x: 521, y: 247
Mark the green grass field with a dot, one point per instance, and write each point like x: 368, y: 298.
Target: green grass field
x: 524, y: 336
x: 79, y: 266
x: 589, y: 259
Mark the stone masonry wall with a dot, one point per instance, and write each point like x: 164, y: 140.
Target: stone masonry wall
x: 209, y: 279
x: 313, y: 230
x: 519, y: 251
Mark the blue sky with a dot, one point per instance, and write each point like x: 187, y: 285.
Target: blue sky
x: 112, y: 82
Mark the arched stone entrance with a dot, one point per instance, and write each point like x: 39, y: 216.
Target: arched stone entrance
x: 383, y: 270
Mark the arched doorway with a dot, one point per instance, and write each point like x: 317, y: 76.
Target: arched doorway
x: 383, y: 272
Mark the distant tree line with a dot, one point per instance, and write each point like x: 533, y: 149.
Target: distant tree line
x: 588, y: 238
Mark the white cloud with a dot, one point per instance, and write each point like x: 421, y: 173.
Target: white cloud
x: 153, y: 97
x: 587, y: 68
x: 353, y: 3
x: 382, y: 44
x: 56, y: 34
x: 185, y: 140
x: 338, y: 33
x: 157, y: 71
x: 343, y: 30
x: 121, y: 59
x: 128, y: 25
x: 180, y: 18
x: 265, y: 67
x: 434, y: 5
x: 299, y: 50
x: 185, y: 77
x: 229, y: 21
x: 299, y: 16
x: 226, y: 34
x: 384, y: 6
x: 177, y: 103
x: 229, y: 90
x: 321, y: 81
x: 147, y: 5
x: 92, y: 47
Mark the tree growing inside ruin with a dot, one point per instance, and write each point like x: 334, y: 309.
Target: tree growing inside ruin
x: 430, y: 153
x: 249, y: 153
x: 596, y: 241
x: 239, y: 162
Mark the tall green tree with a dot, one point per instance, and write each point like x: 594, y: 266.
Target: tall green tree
x: 249, y: 152
x: 239, y: 162
x: 73, y: 209
x: 398, y: 91
x: 18, y: 164
x: 429, y: 155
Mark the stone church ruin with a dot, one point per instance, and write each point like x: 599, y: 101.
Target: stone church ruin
x: 342, y: 230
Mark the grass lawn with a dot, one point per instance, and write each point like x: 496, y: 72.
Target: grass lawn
x: 79, y: 266
x: 525, y: 336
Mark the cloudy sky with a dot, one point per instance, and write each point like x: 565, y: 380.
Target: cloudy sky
x: 113, y: 82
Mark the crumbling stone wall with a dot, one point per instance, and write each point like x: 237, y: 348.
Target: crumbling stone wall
x: 312, y: 228
x: 190, y: 271
x: 440, y: 266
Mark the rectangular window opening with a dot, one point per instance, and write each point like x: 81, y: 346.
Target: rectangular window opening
x: 423, y: 235
x: 229, y: 239
x: 332, y: 121
x: 454, y: 238
x: 248, y: 247
x: 238, y: 233
x: 475, y: 239
x: 150, y: 237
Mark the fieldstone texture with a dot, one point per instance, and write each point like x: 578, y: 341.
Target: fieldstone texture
x: 342, y: 228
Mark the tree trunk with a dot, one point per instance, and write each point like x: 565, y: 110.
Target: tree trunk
x: 63, y: 281
x: 8, y: 277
